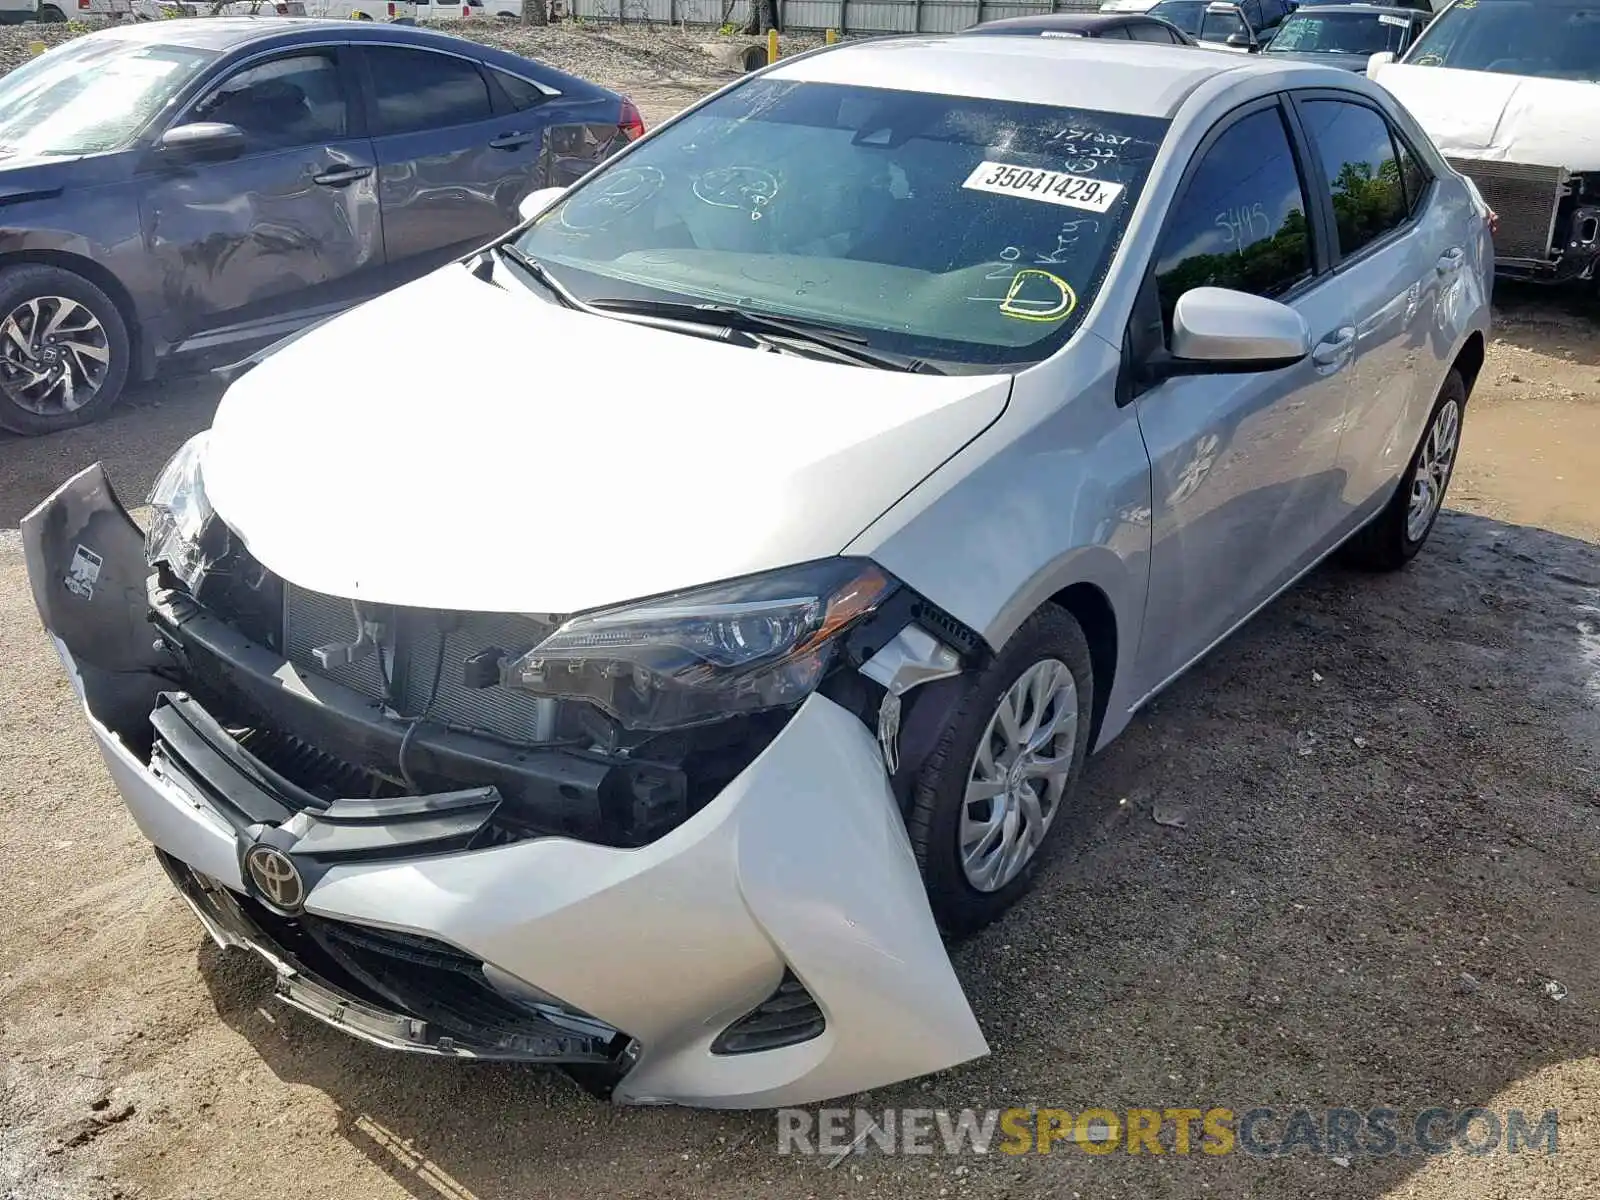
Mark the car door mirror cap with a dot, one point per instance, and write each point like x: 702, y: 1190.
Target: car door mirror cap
x: 1241, y: 41
x: 1217, y: 331
x: 536, y: 202
x: 1381, y: 59
x: 201, y: 141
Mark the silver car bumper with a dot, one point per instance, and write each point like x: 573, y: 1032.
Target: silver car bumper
x: 799, y: 870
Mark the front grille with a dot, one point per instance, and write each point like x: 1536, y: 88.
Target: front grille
x: 1525, y: 198
x: 424, y: 645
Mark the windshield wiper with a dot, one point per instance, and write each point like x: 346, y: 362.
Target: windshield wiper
x: 543, y: 276
x: 841, y: 343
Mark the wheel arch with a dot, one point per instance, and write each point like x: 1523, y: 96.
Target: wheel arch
x: 1093, y: 611
x: 143, y: 353
x: 1469, y: 359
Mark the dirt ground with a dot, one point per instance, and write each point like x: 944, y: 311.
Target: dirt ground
x: 1390, y: 871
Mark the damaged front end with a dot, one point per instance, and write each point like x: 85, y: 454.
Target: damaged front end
x: 1548, y: 228
x: 478, y: 835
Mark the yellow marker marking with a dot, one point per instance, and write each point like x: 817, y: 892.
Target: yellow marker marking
x: 1036, y: 295
x: 831, y: 36
x: 772, y: 45
x: 36, y: 48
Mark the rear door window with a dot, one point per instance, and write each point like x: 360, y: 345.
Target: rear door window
x: 419, y: 89
x: 1358, y: 158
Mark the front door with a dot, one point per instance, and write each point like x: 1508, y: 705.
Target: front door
x: 289, y: 226
x: 452, y: 161
x: 1243, y: 480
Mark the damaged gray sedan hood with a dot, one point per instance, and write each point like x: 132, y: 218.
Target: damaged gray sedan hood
x: 459, y: 445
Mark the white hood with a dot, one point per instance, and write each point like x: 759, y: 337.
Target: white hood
x: 455, y: 445
x: 1504, y: 118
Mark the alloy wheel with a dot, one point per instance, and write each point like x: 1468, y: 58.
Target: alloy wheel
x: 1018, y: 775
x: 54, y: 355
x: 1434, y: 464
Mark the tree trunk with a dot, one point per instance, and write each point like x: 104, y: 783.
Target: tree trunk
x: 763, y: 16
x: 534, y: 12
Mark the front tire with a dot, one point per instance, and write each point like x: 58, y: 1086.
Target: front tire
x: 64, y: 350
x: 1394, y: 536
x: 987, y: 799
x: 49, y: 14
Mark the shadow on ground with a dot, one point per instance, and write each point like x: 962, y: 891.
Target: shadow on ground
x: 1391, y: 794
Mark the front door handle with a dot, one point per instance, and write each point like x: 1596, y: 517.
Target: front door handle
x: 512, y: 141
x: 1335, y: 348
x: 341, y: 176
x: 1450, y: 261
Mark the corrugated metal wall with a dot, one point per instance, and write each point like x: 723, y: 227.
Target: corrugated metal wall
x: 847, y: 16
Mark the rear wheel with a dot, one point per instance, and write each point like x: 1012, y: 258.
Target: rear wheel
x: 64, y: 351
x: 1394, y: 536
x: 49, y: 14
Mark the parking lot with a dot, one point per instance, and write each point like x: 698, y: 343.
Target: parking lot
x: 1376, y: 882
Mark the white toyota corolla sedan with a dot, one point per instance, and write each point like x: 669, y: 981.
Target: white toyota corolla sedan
x: 644, y: 678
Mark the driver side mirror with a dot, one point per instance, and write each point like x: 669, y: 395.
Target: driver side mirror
x: 1216, y: 331
x: 536, y: 202
x: 201, y: 141
x: 1241, y: 41
x: 1378, y: 60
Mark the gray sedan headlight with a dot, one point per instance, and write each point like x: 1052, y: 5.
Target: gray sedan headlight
x: 750, y: 644
x: 179, y: 514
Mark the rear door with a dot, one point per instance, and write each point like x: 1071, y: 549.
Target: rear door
x: 1396, y: 256
x: 288, y: 227
x: 454, y: 153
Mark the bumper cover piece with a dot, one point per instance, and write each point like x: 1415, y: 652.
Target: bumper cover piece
x: 801, y: 864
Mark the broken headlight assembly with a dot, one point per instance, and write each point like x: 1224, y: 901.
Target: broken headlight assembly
x: 179, y: 514
x: 761, y: 642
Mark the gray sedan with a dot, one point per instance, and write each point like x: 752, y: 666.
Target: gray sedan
x: 880, y: 434
x: 191, y: 185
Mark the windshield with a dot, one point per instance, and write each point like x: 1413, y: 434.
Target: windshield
x: 1185, y: 14
x: 90, y: 96
x: 1362, y: 33
x: 958, y: 230
x: 1545, y: 38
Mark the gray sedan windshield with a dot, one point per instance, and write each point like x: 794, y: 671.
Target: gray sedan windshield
x: 964, y: 230
x: 90, y: 96
x: 1551, y: 39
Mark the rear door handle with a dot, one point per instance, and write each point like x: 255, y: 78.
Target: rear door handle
x: 341, y: 176
x: 1335, y: 348
x: 1450, y: 261
x: 511, y: 141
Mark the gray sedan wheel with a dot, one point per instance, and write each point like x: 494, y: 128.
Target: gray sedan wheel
x: 989, y: 796
x: 63, y: 350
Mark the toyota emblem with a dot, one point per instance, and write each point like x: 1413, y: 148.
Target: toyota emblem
x: 276, y: 878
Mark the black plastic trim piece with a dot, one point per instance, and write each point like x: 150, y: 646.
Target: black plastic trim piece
x: 788, y: 1017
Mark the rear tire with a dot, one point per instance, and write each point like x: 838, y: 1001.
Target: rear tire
x: 49, y: 14
x: 64, y: 350
x: 1392, y: 538
x: 1046, y: 667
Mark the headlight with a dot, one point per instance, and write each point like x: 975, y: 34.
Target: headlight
x: 179, y: 514
x: 696, y: 656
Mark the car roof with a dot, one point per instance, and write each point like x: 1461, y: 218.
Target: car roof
x: 229, y: 33
x: 1064, y: 22
x: 1386, y: 10
x: 1136, y: 78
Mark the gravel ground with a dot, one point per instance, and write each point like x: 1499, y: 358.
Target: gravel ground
x: 1388, y: 871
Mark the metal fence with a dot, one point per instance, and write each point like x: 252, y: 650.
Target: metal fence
x: 846, y: 16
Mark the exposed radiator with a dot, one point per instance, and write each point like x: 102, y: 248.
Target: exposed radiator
x: 1524, y: 197
x: 312, y: 619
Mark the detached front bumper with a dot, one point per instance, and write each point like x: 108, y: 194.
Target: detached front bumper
x: 796, y: 879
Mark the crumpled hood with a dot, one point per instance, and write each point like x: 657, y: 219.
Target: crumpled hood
x: 1503, y: 118
x: 456, y: 445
